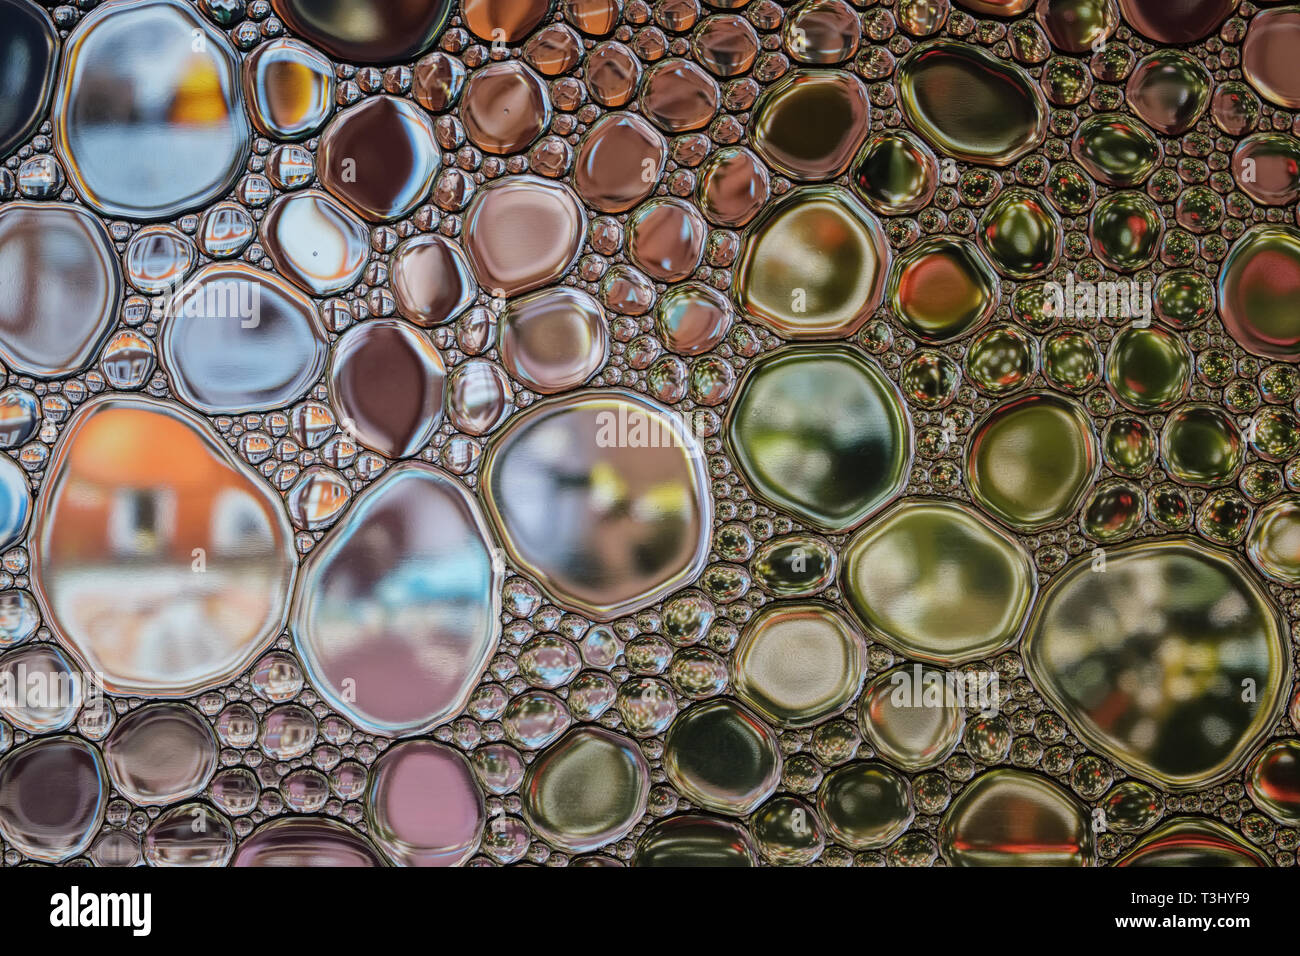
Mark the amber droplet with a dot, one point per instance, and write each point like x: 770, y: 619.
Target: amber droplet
x: 504, y: 21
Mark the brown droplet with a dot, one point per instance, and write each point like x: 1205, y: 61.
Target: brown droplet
x: 505, y: 108
x: 678, y: 16
x: 504, y: 21
x: 613, y: 72
x: 1268, y: 57
x: 53, y: 791
x: 665, y: 238
x: 61, y: 285
x: 823, y: 32
x: 596, y: 18
x: 553, y: 50
x: 1176, y: 21
x: 431, y: 280
x: 678, y: 96
x: 999, y: 8
x: 733, y: 186
x: 692, y: 318
x: 379, y: 157
x: 367, y: 31
x: 810, y: 123
x: 521, y: 233
x: 726, y: 45
x: 553, y: 340
x: 627, y: 291
x: 619, y: 162
x: 386, y: 381
x: 436, y: 82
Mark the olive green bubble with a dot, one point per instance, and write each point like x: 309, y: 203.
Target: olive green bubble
x: 937, y: 582
x: 819, y: 431
x: 1031, y: 460
x: 1146, y: 650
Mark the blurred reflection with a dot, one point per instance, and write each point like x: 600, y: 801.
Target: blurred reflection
x: 160, y: 561
x: 1169, y: 659
x: 149, y: 119
x: 602, y: 497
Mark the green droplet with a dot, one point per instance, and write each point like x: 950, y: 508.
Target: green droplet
x: 956, y: 588
x: 1132, y: 807
x: 797, y: 664
x: 1001, y: 359
x: 721, y: 757
x: 1069, y: 189
x: 1150, y: 655
x: 1071, y: 361
x: 865, y: 805
x: 1275, y: 434
x: 907, y: 729
x: 788, y: 832
x: 1066, y: 81
x: 799, y: 565
x: 1273, y: 545
x: 1223, y: 517
x: 1125, y: 230
x: 1183, y: 298
x: 1193, y: 842
x: 971, y: 104
x: 895, y: 173
x: 942, y: 288
x: 1201, y: 446
x: 1148, y: 369
x: 565, y: 810
x: 1128, y: 446
x: 1113, y: 511
x: 1170, y: 508
x: 812, y: 265
x: 694, y: 839
x: 1034, y: 307
x: 929, y: 379
x: 1116, y: 149
x: 1009, y: 817
x: 820, y: 432
x: 1020, y: 234
x: 809, y: 123
x: 1031, y: 460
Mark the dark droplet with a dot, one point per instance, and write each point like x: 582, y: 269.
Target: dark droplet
x: 27, y: 43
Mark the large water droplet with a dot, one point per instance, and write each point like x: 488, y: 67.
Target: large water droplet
x: 602, y: 497
x: 160, y: 560
x: 149, y: 120
x: 396, y: 610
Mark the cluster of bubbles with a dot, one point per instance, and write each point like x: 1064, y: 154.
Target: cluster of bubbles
x: 653, y: 432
